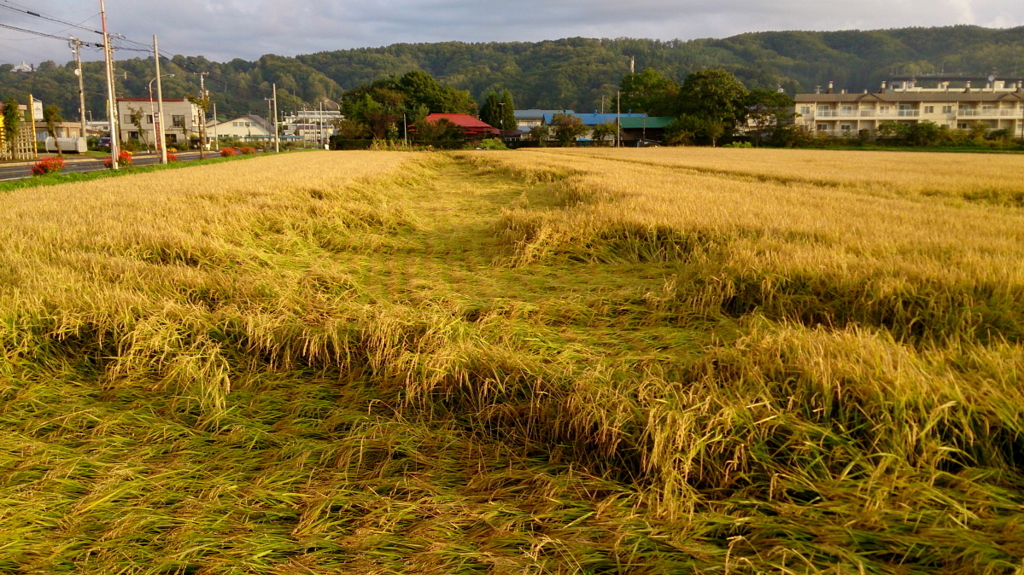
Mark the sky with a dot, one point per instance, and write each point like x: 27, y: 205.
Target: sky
x: 222, y: 30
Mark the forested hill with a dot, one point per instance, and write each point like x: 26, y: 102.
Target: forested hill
x: 576, y: 72
x: 572, y: 73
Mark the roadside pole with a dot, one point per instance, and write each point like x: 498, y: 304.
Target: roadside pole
x: 81, y: 80
x: 115, y: 144
x: 618, y: 119
x: 202, y: 113
x: 277, y: 139
x: 159, y: 106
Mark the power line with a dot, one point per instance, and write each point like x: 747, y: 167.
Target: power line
x: 50, y: 18
x: 44, y: 35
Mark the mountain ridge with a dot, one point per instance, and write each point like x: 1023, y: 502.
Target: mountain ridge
x: 578, y: 73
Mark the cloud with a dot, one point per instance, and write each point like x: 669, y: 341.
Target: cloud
x: 226, y: 29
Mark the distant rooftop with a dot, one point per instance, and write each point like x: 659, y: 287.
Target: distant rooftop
x: 538, y: 114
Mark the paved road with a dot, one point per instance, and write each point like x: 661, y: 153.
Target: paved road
x: 19, y: 170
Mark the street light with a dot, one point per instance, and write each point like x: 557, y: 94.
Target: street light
x: 152, y: 113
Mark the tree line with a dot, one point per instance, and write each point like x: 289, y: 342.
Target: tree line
x: 575, y: 73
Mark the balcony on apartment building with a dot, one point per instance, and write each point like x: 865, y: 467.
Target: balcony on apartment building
x: 987, y: 113
x: 866, y: 113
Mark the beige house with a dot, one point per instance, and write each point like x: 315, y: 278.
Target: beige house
x: 998, y: 106
x: 245, y: 128
x: 181, y: 120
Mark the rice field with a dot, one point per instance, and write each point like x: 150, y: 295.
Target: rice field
x: 535, y: 362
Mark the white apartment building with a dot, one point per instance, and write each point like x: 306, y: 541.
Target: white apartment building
x: 181, y: 119
x: 311, y: 125
x: 998, y: 106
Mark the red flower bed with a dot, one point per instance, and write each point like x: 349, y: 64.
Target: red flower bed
x: 228, y: 152
x: 124, y: 160
x: 48, y: 166
x: 172, y: 157
x: 248, y: 151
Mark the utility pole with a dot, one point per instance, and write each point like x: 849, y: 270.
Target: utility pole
x: 270, y: 116
x: 115, y: 144
x: 216, y: 140
x: 202, y: 113
x: 76, y: 49
x: 618, y: 119
x: 159, y: 106
x: 277, y: 140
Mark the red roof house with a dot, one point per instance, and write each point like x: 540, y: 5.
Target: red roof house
x: 472, y: 127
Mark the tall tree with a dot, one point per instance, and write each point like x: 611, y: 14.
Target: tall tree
x: 490, y: 111
x: 649, y: 92
x: 715, y: 101
x: 11, y: 123
x: 567, y: 128
x: 136, y: 115
x: 52, y: 117
x: 769, y: 116
x: 508, y: 109
x: 604, y: 134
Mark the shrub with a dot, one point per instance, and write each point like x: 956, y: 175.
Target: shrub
x: 493, y: 144
x: 228, y: 152
x: 248, y: 150
x: 124, y: 159
x: 48, y: 166
x: 172, y: 157
x: 132, y: 145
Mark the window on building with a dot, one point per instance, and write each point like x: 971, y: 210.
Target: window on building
x: 929, y: 109
x: 805, y: 110
x: 847, y: 109
x: 178, y: 121
x: 846, y: 127
x: 149, y: 119
x: 947, y: 109
x: 883, y: 109
x: 822, y: 127
x: 961, y: 125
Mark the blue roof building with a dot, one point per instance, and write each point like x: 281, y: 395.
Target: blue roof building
x: 594, y: 119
